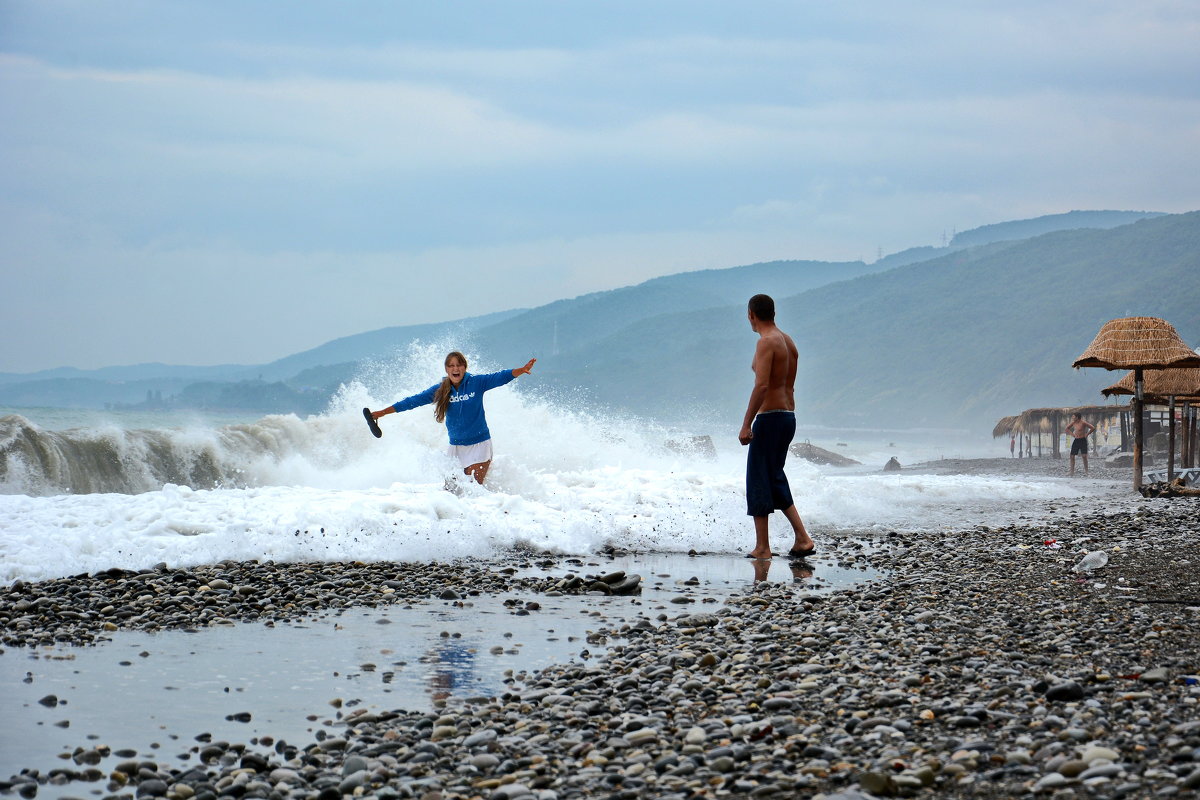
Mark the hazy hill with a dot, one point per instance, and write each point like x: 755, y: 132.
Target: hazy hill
x: 88, y: 392
x: 1027, y: 228
x: 962, y: 339
x: 974, y: 338
x: 1015, y: 230
x: 313, y: 375
x: 508, y: 336
x: 568, y: 325
x: 133, y: 372
x: 932, y: 336
x: 341, y: 353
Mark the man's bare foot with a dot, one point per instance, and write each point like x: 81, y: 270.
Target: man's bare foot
x: 802, y: 540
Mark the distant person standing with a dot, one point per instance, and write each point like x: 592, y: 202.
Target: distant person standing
x: 768, y: 429
x: 1012, y: 446
x: 458, y: 401
x: 1080, y: 430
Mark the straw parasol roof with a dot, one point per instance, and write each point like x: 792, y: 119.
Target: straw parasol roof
x: 1138, y: 342
x: 1004, y: 426
x: 1038, y: 420
x: 1160, y: 383
x: 1041, y: 420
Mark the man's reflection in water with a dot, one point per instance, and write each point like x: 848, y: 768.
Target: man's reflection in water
x: 800, y: 570
x: 761, y: 567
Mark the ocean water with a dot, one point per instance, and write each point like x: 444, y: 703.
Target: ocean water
x: 87, y: 491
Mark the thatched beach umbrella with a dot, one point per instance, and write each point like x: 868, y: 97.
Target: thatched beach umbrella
x: 1004, y: 427
x: 1138, y: 343
x: 1159, y: 383
x: 1052, y: 420
x: 1033, y: 421
x: 1042, y: 421
x: 1166, y: 386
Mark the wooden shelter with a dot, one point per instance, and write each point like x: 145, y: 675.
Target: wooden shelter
x: 1053, y: 421
x: 1042, y: 421
x: 1139, y: 344
x: 1168, y: 387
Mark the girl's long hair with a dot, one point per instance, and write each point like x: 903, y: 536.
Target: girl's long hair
x: 441, y: 398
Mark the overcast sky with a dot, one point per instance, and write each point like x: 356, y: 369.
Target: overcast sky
x: 232, y: 182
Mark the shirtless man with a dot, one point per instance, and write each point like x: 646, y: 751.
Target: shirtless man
x: 768, y: 428
x: 1080, y: 430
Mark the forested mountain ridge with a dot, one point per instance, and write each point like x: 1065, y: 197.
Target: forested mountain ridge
x: 961, y: 338
x: 958, y: 340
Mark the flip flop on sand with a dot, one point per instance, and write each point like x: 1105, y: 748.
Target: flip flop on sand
x: 794, y: 553
x: 372, y: 424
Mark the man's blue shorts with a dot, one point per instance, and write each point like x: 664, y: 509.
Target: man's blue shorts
x: 766, y: 486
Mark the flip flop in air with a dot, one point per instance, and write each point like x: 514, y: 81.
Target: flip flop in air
x: 372, y: 424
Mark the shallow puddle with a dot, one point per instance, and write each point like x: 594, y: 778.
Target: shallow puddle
x: 155, y: 694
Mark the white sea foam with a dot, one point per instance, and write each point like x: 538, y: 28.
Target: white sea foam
x: 323, y: 488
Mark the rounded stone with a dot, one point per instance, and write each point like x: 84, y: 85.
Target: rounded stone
x: 1065, y: 692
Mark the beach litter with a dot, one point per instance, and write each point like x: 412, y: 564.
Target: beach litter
x: 1092, y: 561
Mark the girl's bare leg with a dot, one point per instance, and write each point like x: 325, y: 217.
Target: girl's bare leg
x: 478, y: 471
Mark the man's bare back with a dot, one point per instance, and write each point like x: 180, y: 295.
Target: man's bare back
x: 775, y: 360
x: 776, y: 354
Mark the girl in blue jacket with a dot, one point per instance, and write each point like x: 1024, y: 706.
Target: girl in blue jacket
x: 458, y: 401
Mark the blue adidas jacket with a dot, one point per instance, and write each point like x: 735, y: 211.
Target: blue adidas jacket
x: 465, y: 421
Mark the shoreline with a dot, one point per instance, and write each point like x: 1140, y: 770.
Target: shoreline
x: 977, y: 665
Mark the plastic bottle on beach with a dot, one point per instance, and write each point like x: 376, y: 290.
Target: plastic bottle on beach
x: 1093, y: 560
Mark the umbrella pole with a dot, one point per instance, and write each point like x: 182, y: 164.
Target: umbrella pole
x: 1137, y: 429
x: 1171, y: 439
x: 1183, y: 437
x: 1194, y: 450
x: 1191, y: 429
x: 1192, y: 438
x: 1189, y: 440
x: 1193, y: 461
x: 1193, y: 444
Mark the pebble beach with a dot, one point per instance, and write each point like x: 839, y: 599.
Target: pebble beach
x: 975, y: 663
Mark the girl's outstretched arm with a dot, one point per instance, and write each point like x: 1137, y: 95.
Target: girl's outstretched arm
x: 525, y: 370
x: 421, y: 399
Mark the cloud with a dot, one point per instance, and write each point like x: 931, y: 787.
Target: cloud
x: 267, y: 169
x: 223, y: 304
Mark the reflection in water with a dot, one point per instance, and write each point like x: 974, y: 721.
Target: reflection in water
x: 800, y: 568
x: 453, y: 670
x: 761, y: 567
